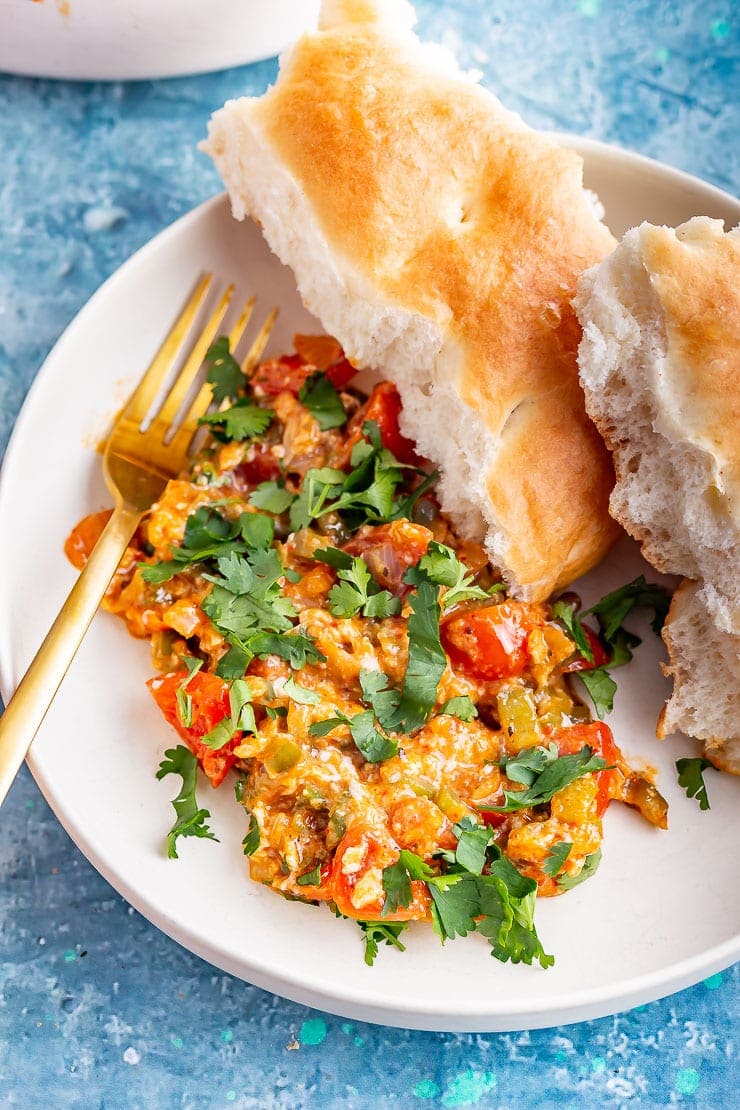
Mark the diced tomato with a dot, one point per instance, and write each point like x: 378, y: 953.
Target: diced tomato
x: 313, y: 352
x: 384, y: 407
x: 278, y: 375
x: 491, y: 642
x: 259, y: 466
x: 367, y: 853
x: 599, y: 652
x: 83, y: 537
x: 389, y: 550
x: 488, y: 817
x: 210, y: 695
x: 599, y: 738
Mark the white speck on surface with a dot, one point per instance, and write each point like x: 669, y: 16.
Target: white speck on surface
x: 102, y: 217
x: 131, y: 1056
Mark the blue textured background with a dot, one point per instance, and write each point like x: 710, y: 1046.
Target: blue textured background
x: 97, y: 1008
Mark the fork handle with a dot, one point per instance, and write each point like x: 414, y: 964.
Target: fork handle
x: 27, y: 708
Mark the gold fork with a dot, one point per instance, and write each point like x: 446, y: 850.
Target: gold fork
x: 138, y: 461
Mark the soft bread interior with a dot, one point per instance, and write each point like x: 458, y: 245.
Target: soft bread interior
x: 399, y: 281
x: 667, y: 493
x: 704, y: 650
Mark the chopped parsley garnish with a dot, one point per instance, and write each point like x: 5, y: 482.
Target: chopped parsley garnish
x: 558, y: 771
x: 322, y: 401
x: 310, y: 878
x: 365, y: 495
x: 387, y: 932
x: 244, y: 420
x: 497, y: 902
x: 691, y: 778
x: 556, y: 859
x: 590, y: 867
x: 300, y: 694
x: 183, y: 699
x: 461, y: 707
x: 210, y: 535
x: 610, y: 612
x: 358, y: 592
x: 442, y: 566
x: 224, y: 372
x: 273, y: 497
x: 427, y: 659
x: 191, y: 820
x: 251, y: 841
x: 373, y: 744
x: 240, y: 718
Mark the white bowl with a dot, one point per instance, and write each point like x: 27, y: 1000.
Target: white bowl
x: 112, y: 40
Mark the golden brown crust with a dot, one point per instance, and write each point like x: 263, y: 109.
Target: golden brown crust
x: 695, y: 272
x: 452, y: 209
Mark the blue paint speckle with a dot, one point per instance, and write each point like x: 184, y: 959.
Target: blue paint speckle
x: 313, y: 1031
x: 687, y: 1081
x: 426, y: 1088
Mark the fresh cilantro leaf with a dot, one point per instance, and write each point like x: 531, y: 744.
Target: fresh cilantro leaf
x: 257, y: 530
x: 295, y: 648
x: 310, y: 878
x: 374, y: 745
x: 273, y: 497
x: 691, y: 778
x: 190, y: 819
x: 455, y: 905
x: 275, y: 711
x: 156, y: 573
x: 376, y: 693
x: 323, y: 728
x: 528, y: 764
x: 442, y: 566
x: 404, y: 506
x: 612, y: 609
x: 251, y: 841
x: 334, y: 557
x: 556, y: 858
x: 556, y: 775
x: 397, y: 878
x: 357, y: 591
x: 235, y: 662
x: 244, y: 420
x: 426, y: 661
x: 565, y: 612
x: 601, y: 689
x: 246, y: 596
x: 224, y: 372
x: 322, y: 401
x: 590, y: 867
x: 183, y: 699
x: 386, y: 931
x: 300, y: 694
x: 461, y: 707
x: 472, y: 842
x: 239, y: 719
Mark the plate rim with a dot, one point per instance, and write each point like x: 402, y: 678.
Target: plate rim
x: 576, y: 1005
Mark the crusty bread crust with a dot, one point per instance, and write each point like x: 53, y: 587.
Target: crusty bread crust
x: 458, y: 235
x: 660, y: 365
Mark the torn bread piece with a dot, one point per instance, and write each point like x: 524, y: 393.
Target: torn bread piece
x: 660, y: 365
x: 440, y: 240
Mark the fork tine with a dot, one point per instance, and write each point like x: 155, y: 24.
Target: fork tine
x: 173, y: 402
x: 141, y: 400
x: 204, y: 397
x: 254, y: 353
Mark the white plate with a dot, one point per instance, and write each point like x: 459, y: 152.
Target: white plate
x: 116, y: 40
x: 663, y: 910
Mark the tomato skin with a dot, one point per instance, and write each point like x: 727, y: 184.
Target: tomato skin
x: 210, y: 696
x: 599, y: 738
x: 83, y: 537
x: 376, y: 854
x: 491, y: 642
x: 289, y: 373
x: 599, y: 652
x: 260, y: 466
x: 389, y: 550
x: 384, y: 407
x: 279, y: 375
